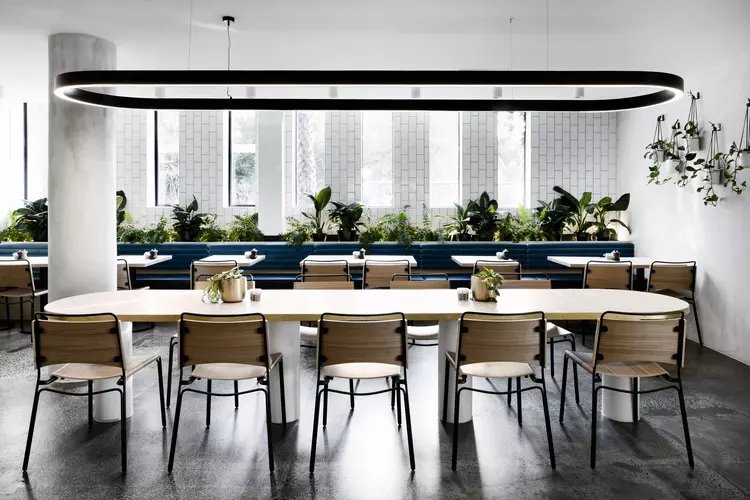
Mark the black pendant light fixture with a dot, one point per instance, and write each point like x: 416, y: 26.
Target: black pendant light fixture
x: 100, y: 88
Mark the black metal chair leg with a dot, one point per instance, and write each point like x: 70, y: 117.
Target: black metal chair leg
x: 325, y: 405
x: 8, y: 323
x: 32, y: 424
x: 634, y: 386
x: 552, y: 359
x: 446, y: 381
x: 172, y: 345
x: 510, y: 388
x: 594, y: 412
x: 91, y: 403
x: 409, y: 436
x: 575, y: 383
x: 267, y: 398
x: 456, y: 404
x: 208, y: 403
x: 123, y: 429
x: 550, y: 444
x: 683, y: 411
x: 393, y: 394
x: 283, y: 393
x: 697, y: 321
x: 236, y: 394
x: 161, y: 393
x: 315, y: 430
x: 398, y: 401
x: 175, y: 428
x: 562, y: 390
x: 518, y: 401
x: 351, y: 392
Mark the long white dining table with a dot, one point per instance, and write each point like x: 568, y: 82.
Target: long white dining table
x: 284, y: 309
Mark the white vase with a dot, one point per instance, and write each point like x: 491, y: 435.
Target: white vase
x: 660, y: 155
x: 234, y: 289
x: 693, y: 143
x: 673, y: 165
x: 479, y: 290
x: 713, y: 176
x: 744, y: 159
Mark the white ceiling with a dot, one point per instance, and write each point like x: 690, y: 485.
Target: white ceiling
x: 401, y: 34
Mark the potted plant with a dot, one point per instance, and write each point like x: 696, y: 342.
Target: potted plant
x: 692, y: 132
x: 578, y: 214
x: 553, y: 216
x: 229, y: 286
x: 298, y: 232
x: 601, y: 211
x: 320, y: 202
x: 33, y: 219
x: 188, y: 224
x: 484, y: 285
x: 483, y: 217
x: 347, y: 217
x: 457, y: 227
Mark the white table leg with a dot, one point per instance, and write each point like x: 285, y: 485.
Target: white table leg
x: 447, y: 339
x: 107, y: 406
x: 617, y: 405
x: 284, y: 338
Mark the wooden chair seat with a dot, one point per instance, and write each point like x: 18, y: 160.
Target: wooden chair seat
x: 362, y: 370
x: 554, y: 331
x: 428, y: 332
x: 21, y: 292
x: 308, y: 333
x: 86, y: 371
x: 621, y: 369
x: 678, y: 294
x: 496, y: 369
x: 228, y: 371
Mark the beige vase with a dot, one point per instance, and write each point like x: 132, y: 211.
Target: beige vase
x: 479, y: 290
x: 234, y: 289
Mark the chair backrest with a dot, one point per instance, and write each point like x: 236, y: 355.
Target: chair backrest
x: 325, y: 270
x: 509, y: 270
x: 623, y: 337
x: 201, y: 271
x: 608, y: 274
x: 378, y: 273
x: 324, y: 285
x: 18, y: 274
x: 123, y: 275
x: 201, y: 281
x: 241, y: 339
x: 526, y: 284
x: 672, y: 275
x: 376, y: 338
x: 488, y: 337
x: 71, y: 338
x: 398, y: 283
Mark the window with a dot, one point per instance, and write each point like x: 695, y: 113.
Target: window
x: 243, y: 158
x: 167, y: 155
x: 310, y: 154
x: 377, y: 158
x: 511, y: 158
x: 445, y: 160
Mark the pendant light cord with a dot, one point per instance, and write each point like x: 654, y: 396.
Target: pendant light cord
x: 190, y: 36
x: 510, y: 33
x: 547, y: 22
x: 229, y: 54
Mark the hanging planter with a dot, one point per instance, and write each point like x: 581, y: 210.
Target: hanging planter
x: 711, y: 169
x: 692, y: 131
x: 656, y: 152
x: 743, y: 150
x: 674, y: 156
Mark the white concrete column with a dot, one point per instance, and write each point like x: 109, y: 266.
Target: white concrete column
x: 271, y: 172
x: 82, y: 175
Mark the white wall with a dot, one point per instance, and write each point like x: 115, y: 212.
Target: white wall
x: 671, y: 223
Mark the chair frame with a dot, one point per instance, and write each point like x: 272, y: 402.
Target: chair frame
x: 398, y: 387
x: 461, y: 379
x: 263, y: 382
x: 410, y: 277
x: 42, y: 385
x: 301, y: 277
x: 690, y: 300
x: 128, y: 284
x: 496, y: 263
x: 304, y: 270
x: 382, y: 262
x: 218, y: 263
x: 674, y: 382
x: 31, y: 299
x: 612, y: 263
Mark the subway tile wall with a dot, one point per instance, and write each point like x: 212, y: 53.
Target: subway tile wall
x: 574, y: 150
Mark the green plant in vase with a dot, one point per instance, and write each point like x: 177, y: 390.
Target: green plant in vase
x: 213, y: 289
x: 298, y: 232
x: 188, y: 223
x: 245, y: 228
x: 485, y: 284
x: 553, y: 217
x: 348, y: 219
x: 602, y: 222
x: 319, y: 224
x: 33, y: 219
x: 457, y: 226
x: 483, y: 216
x: 578, y: 213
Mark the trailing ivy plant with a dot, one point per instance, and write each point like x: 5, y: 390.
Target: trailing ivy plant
x: 655, y: 152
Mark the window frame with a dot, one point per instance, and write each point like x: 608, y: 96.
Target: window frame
x: 156, y: 161
x: 230, y: 161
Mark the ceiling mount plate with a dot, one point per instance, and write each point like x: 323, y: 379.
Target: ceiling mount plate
x: 99, y: 88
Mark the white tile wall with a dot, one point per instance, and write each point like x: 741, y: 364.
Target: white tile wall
x: 576, y: 151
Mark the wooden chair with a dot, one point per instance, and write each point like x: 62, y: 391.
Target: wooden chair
x: 17, y: 282
x: 509, y: 270
x: 422, y: 281
x: 633, y: 346
x: 325, y: 270
x: 555, y: 333
x: 676, y: 279
x: 123, y: 275
x: 379, y: 273
x: 608, y: 274
x: 90, y: 347
x: 200, y: 283
x: 309, y: 333
x: 362, y: 347
x: 201, y: 271
x: 498, y: 346
x: 227, y: 347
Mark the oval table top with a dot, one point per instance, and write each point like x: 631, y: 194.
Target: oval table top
x: 307, y: 305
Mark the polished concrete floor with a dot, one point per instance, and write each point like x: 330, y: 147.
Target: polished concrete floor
x: 364, y: 455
